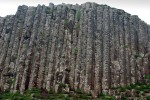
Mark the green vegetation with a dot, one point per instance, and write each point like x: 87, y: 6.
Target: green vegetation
x: 147, y: 76
x: 48, y: 10
x: 78, y: 26
x: 80, y: 91
x: 138, y: 90
x: 75, y: 51
x: 106, y: 96
x: 62, y: 85
x: 78, y: 15
x: 51, y: 91
x: 36, y: 93
x: 148, y: 98
x: 66, y: 22
x: 11, y: 96
x: 125, y: 46
x: 141, y: 55
x: 136, y: 56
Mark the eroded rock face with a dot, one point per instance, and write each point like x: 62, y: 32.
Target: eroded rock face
x: 92, y: 47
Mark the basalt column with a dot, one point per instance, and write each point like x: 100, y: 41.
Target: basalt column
x: 90, y: 47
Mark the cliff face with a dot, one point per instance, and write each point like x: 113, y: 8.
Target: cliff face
x: 92, y: 47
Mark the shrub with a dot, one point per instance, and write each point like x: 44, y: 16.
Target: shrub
x: 146, y: 90
x: 74, y: 97
x: 53, y: 97
x: 62, y: 96
x: 137, y: 91
x: 52, y: 91
x: 33, y: 90
x: 12, y: 96
x: 113, y: 98
x: 62, y: 85
x: 136, y: 56
x: 122, y: 89
x: 124, y: 98
x: 148, y: 98
x: 147, y: 76
x: 129, y: 87
x: 138, y: 87
x: 67, y: 98
x: 133, y: 86
x: 79, y: 91
x: 84, y: 96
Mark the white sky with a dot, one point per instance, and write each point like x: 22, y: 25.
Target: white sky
x: 134, y: 7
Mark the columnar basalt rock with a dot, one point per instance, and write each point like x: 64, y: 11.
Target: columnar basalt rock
x: 89, y: 46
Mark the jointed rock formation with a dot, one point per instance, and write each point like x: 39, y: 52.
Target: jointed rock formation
x: 92, y: 47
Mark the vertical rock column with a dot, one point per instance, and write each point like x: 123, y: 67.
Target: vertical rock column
x: 106, y: 82
x: 21, y: 63
x: 6, y: 34
x: 99, y: 50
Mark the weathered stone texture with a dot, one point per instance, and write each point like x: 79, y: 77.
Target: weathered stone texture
x: 92, y: 47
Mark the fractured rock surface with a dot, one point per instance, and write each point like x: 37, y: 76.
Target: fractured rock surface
x: 89, y: 46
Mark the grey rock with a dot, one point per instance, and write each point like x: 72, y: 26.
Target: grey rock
x: 89, y: 46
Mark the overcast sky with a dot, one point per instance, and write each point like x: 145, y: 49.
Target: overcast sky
x: 134, y: 7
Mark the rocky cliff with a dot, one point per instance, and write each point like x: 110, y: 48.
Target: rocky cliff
x: 89, y: 46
